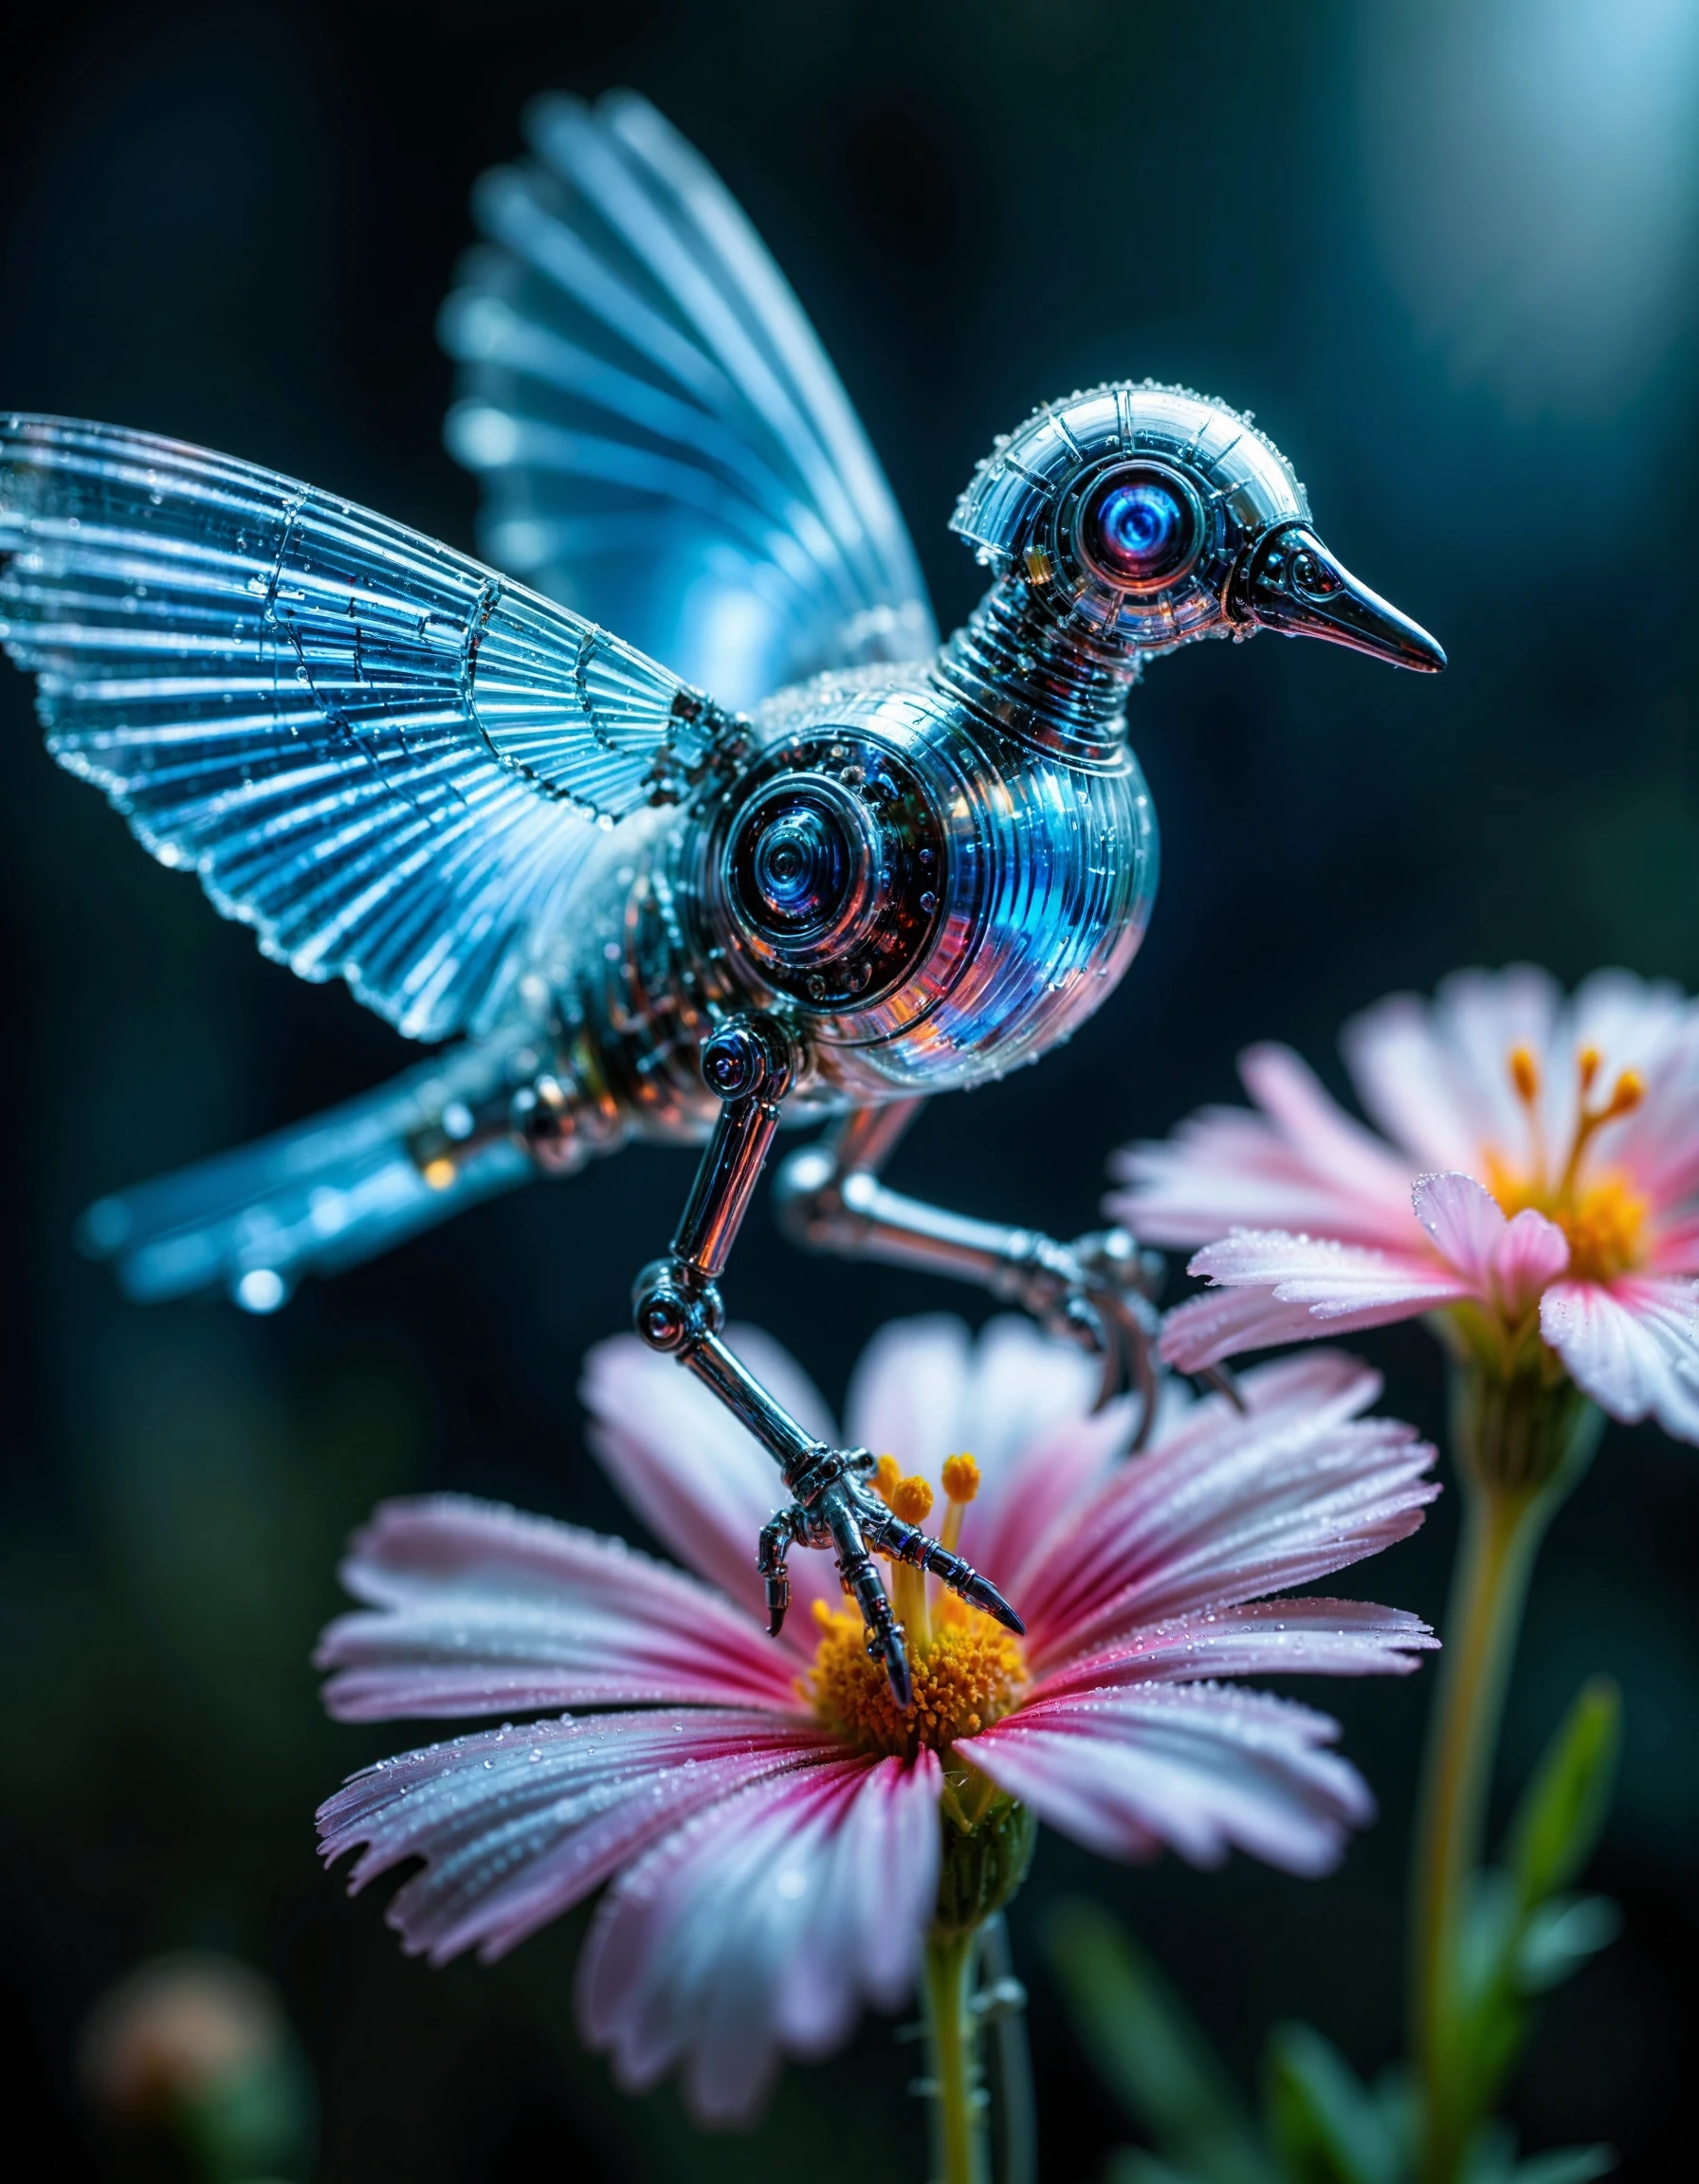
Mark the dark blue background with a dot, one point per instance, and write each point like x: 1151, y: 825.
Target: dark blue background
x: 1447, y: 256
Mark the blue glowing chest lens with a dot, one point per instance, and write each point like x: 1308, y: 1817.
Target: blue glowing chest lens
x: 1140, y: 528
x: 801, y: 867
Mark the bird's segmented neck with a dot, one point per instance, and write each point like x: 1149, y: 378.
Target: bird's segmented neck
x: 1057, y: 682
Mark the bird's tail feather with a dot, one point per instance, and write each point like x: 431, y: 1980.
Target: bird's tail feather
x: 328, y: 1193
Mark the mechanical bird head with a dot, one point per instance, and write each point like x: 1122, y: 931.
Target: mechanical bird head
x: 1157, y: 516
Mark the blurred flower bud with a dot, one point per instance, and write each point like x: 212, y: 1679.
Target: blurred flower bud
x: 196, y: 2047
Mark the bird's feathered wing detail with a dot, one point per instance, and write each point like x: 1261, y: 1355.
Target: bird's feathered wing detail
x: 381, y: 754
x: 661, y: 439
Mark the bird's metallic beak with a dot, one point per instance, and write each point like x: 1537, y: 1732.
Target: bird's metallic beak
x: 1292, y: 584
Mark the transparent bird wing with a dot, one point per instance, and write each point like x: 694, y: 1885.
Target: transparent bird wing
x: 382, y: 756
x: 662, y: 440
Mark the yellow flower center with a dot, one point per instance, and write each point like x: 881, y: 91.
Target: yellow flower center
x: 967, y: 1671
x: 969, y: 1674
x: 1605, y: 1224
x: 1602, y: 1219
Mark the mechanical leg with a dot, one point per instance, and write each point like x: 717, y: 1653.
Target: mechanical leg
x: 676, y: 1304
x: 1095, y: 1290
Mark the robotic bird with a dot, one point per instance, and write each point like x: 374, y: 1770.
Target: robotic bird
x: 871, y: 869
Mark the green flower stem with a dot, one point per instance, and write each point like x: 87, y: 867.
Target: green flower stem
x: 1520, y: 1446
x: 1014, y: 2060
x: 957, y: 2129
x: 1501, y: 1532
x: 987, y: 1846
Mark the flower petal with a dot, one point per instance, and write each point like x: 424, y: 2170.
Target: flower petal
x: 1017, y: 1400
x: 702, y: 1483
x: 1674, y: 1247
x: 1005, y: 1530
x: 1024, y: 1383
x: 1230, y: 1506
x: 1466, y: 1222
x: 1481, y: 1017
x: 1202, y: 1767
x: 1362, y: 1166
x: 1422, y: 1092
x: 1220, y: 1166
x: 925, y: 1389
x: 1303, y: 1165
x: 1309, y: 1636
x: 1652, y: 1027
x: 480, y: 1610
x: 1226, y: 1322
x: 909, y: 1394
x: 1404, y: 1080
x: 761, y: 1928
x: 1336, y: 1281
x: 1530, y: 1254
x: 1334, y: 1286
x: 516, y: 1825
x: 1633, y: 1347
x: 1656, y: 1145
x: 1506, y: 1263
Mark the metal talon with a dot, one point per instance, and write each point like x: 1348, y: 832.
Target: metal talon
x: 1223, y: 1381
x: 1137, y: 1327
x: 886, y: 1647
x: 905, y: 1542
x: 1096, y: 1291
x: 777, y: 1537
x: 1110, y: 1347
x: 848, y: 1536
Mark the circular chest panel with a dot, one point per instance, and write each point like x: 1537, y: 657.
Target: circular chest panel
x: 828, y: 869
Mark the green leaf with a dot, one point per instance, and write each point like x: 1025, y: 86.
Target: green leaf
x: 1328, y: 2127
x: 1487, y: 2019
x: 1560, y: 1936
x: 1398, y: 2101
x: 1564, y: 1808
x: 1490, y: 2155
x: 1492, y: 2159
x: 1489, y: 1925
x: 1572, y: 2165
x: 1150, y: 2052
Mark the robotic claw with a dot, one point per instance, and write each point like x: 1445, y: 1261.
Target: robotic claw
x: 830, y: 1198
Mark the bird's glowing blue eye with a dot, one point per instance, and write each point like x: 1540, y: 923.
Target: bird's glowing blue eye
x: 1137, y: 524
x: 1139, y: 528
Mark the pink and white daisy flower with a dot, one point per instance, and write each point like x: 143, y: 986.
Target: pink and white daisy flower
x: 769, y: 1822
x: 1539, y: 1178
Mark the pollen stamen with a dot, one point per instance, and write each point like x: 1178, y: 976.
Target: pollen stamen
x: 961, y: 1482
x: 1604, y: 1221
x: 1629, y: 1091
x: 1525, y: 1082
x: 911, y: 1500
x: 969, y: 1674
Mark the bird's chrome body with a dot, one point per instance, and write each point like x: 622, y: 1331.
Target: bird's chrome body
x: 866, y: 869
x: 1020, y: 882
